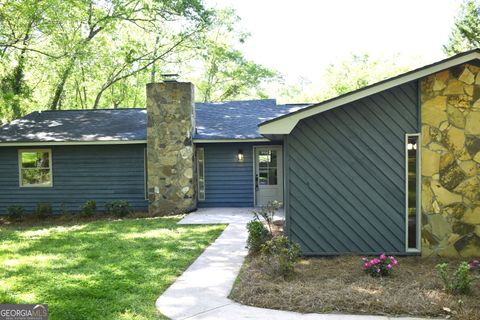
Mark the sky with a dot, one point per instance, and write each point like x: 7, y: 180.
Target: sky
x: 300, y: 38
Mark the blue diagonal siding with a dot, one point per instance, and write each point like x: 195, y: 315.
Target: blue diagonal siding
x: 346, y: 175
x: 80, y: 173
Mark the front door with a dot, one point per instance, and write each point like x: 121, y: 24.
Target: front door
x: 268, y: 175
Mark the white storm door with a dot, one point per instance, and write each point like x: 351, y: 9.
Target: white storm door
x: 268, y: 174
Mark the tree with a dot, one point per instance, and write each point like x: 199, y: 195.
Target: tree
x: 226, y: 73
x: 359, y: 71
x: 465, y: 34
x: 77, y: 52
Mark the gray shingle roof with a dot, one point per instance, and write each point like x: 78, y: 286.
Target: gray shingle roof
x: 78, y: 125
x: 223, y: 120
x: 236, y: 119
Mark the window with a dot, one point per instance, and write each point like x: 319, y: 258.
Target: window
x: 201, y: 173
x: 267, y: 167
x: 411, y: 171
x: 35, y: 168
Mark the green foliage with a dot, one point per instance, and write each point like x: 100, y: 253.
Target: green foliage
x: 67, y: 54
x: 225, y: 73
x: 43, y: 210
x: 62, y: 54
x: 465, y: 34
x: 15, y: 212
x: 257, y: 236
x: 119, y: 208
x: 358, y: 71
x: 279, y: 256
x: 267, y: 213
x: 460, y: 282
x: 107, y: 269
x: 89, y: 208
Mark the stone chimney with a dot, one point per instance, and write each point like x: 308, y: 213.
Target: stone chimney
x: 170, y: 151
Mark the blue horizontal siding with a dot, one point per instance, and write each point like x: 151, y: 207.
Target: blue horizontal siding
x: 228, y: 182
x: 80, y: 173
x: 346, y: 175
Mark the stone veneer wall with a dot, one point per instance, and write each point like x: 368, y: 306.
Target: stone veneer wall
x: 170, y: 151
x: 450, y: 113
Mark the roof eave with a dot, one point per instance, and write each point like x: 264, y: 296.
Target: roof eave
x: 69, y: 143
x: 285, y: 124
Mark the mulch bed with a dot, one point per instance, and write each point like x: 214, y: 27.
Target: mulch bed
x: 339, y: 285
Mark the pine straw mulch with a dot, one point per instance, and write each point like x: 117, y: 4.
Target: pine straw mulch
x: 338, y: 285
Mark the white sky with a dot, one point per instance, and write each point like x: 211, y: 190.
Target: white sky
x: 299, y: 38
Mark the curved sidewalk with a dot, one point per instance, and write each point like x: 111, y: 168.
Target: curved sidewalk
x: 201, y: 291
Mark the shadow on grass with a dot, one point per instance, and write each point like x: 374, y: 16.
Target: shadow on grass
x: 98, y: 270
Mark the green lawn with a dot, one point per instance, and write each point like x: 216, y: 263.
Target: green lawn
x: 98, y: 270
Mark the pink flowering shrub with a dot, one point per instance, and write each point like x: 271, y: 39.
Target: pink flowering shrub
x: 474, y: 265
x: 379, y: 267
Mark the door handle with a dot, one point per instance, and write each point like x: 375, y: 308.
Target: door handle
x: 256, y: 182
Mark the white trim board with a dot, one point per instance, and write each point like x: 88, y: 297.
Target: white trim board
x: 285, y: 124
x: 68, y: 143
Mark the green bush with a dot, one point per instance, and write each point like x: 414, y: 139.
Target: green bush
x: 118, y: 208
x: 257, y: 236
x: 43, y: 210
x: 279, y: 256
x: 15, y: 212
x: 460, y: 282
x: 89, y: 208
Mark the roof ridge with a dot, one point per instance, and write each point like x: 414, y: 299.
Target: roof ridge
x: 248, y: 100
x: 107, y: 109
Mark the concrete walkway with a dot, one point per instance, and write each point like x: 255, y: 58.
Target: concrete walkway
x: 201, y: 291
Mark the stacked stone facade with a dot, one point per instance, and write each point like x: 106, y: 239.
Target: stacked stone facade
x: 450, y: 115
x: 170, y: 150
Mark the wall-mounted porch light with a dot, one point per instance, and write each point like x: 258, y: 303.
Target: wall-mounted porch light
x: 240, y: 155
x: 412, y: 146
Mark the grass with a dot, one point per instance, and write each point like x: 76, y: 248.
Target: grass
x: 339, y: 285
x: 98, y: 269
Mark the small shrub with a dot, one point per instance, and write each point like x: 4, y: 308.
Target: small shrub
x: 43, y: 210
x: 379, y: 267
x: 119, y: 208
x: 89, y: 208
x: 460, y: 282
x: 257, y: 236
x: 279, y: 256
x: 15, y: 213
x: 268, y: 213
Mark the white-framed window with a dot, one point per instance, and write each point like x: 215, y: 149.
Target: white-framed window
x: 412, y: 193
x: 201, y: 173
x: 35, y: 167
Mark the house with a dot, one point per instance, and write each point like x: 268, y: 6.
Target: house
x: 393, y: 167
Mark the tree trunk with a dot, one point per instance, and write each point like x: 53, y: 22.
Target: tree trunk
x: 98, y: 97
x: 61, y: 85
x: 18, y: 74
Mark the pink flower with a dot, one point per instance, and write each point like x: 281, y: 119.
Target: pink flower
x: 366, y: 265
x: 365, y: 259
x: 389, y: 266
x: 395, y: 262
x: 383, y: 257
